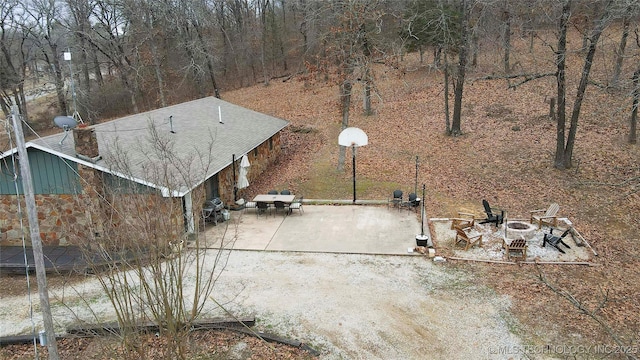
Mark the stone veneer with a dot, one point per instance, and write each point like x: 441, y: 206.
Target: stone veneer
x: 85, y: 218
x: 266, y: 156
x: 60, y: 219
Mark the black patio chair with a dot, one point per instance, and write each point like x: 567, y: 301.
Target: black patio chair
x: 492, y: 218
x: 273, y: 192
x: 262, y: 208
x: 413, y: 203
x: 396, y: 201
x: 280, y: 206
x: 555, y: 241
x: 285, y: 192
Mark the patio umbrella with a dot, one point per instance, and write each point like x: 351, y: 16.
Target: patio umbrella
x: 243, y: 182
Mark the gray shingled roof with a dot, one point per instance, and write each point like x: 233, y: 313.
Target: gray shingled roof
x: 199, y: 147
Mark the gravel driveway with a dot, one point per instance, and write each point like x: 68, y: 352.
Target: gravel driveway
x: 347, y: 306
x: 369, y: 306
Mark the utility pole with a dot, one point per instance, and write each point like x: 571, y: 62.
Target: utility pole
x: 34, y: 228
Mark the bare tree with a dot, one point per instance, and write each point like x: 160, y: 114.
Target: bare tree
x: 145, y: 267
x: 79, y: 25
x: 620, y: 52
x: 462, y: 68
x: 435, y: 24
x: 44, y: 26
x: 564, y: 150
x: 110, y: 38
x: 633, y: 122
x: 506, y: 36
x: 13, y: 60
x: 351, y: 39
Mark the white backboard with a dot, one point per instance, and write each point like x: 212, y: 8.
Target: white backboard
x: 352, y: 136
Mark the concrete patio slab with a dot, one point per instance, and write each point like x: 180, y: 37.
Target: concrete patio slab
x: 321, y: 228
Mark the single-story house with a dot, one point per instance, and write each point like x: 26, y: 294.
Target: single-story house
x: 151, y: 169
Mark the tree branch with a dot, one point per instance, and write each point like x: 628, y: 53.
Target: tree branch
x: 583, y: 309
x: 525, y: 78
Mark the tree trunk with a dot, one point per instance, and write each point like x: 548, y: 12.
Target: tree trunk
x: 366, y: 51
x: 634, y: 110
x: 208, y: 58
x: 620, y: 52
x: 582, y: 87
x: 367, y: 92
x: 155, y: 58
x: 345, y: 104
x: 475, y: 48
x: 561, y: 84
x: 447, y: 121
x: 57, y: 73
x: 506, y: 40
x: 263, y: 41
x: 97, y: 71
x: 283, y: 54
x: 462, y: 66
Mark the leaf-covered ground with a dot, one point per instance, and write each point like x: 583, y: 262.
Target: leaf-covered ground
x: 505, y: 156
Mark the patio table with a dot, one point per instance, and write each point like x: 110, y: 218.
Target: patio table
x: 269, y: 199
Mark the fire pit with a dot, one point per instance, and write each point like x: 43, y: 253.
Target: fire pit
x: 516, y: 229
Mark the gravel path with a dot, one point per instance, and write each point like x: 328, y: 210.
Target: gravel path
x: 346, y: 306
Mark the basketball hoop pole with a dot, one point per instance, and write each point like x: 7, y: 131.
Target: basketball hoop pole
x: 353, y: 137
x: 353, y: 152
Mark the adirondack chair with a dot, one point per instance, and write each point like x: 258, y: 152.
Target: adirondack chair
x: 555, y: 241
x: 491, y: 216
x: 545, y: 216
x: 467, y: 239
x: 463, y: 221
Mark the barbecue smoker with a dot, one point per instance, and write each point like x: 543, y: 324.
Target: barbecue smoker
x: 213, y: 211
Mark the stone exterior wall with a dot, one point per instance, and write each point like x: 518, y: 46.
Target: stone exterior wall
x: 61, y: 219
x: 264, y: 156
x: 147, y: 219
x: 86, y: 218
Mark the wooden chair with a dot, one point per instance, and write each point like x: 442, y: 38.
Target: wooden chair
x: 463, y: 221
x: 549, y: 217
x: 468, y: 240
x: 516, y: 248
x: 492, y: 217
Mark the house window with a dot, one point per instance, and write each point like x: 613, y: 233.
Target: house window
x: 255, y: 152
x: 270, y: 144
